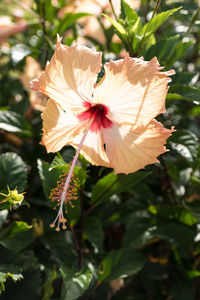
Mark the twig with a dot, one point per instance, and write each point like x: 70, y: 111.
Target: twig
x: 113, y: 10
x: 22, y: 5
x: 153, y: 15
x: 194, y: 18
x: 168, y: 180
x: 92, y: 291
x: 162, y: 182
x: 75, y: 238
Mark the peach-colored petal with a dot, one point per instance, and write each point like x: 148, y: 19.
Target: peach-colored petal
x: 38, y: 101
x: 93, y: 148
x: 8, y: 28
x: 133, y: 89
x: 59, y: 127
x: 93, y: 7
x: 90, y: 6
x: 31, y: 70
x: 130, y: 148
x: 69, y: 76
x: 93, y: 29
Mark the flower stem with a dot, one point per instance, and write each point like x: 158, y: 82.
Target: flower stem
x: 73, y: 166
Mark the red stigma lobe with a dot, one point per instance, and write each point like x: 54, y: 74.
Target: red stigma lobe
x: 99, y: 113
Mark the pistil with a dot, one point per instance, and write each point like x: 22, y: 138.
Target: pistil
x: 60, y: 217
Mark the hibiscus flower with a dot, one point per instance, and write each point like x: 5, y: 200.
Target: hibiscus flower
x: 112, y: 122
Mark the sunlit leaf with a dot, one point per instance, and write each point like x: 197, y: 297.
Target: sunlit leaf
x: 128, y: 13
x: 75, y: 284
x: 186, y: 144
x: 12, y: 122
x: 158, y: 20
x: 17, y: 236
x: 184, y: 92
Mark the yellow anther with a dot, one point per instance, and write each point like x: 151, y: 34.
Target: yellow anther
x: 63, y: 220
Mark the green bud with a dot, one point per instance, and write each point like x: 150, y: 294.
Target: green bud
x: 13, y: 197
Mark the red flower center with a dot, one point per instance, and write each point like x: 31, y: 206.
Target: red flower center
x: 99, y: 113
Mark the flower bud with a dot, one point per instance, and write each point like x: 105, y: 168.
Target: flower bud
x: 13, y: 197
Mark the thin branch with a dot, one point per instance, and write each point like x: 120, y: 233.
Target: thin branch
x: 22, y: 5
x: 194, y: 18
x: 153, y: 15
x: 168, y: 180
x: 113, y: 10
x: 44, y: 30
x: 92, y: 291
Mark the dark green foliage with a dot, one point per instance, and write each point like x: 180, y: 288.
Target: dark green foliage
x: 130, y: 237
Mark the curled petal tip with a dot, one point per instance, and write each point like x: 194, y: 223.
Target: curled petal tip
x: 173, y: 129
x: 59, y: 39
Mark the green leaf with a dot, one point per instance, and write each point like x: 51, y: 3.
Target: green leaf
x: 184, y: 92
x: 139, y: 230
x: 121, y: 31
x: 128, y: 13
x: 49, y: 178
x: 17, y: 236
x: 12, y: 122
x: 93, y: 231
x: 186, y: 144
x: 157, y: 21
x: 184, y: 78
x: 182, y: 288
x: 74, y: 285
x: 178, y: 213
x: 162, y: 49
x: 59, y: 163
x: 48, y: 285
x: 63, y: 250
x: 179, y: 50
x: 50, y: 10
x: 68, y: 20
x: 120, y: 264
x: 12, y: 172
x: 179, y: 235
x: 114, y: 184
x: 193, y: 273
